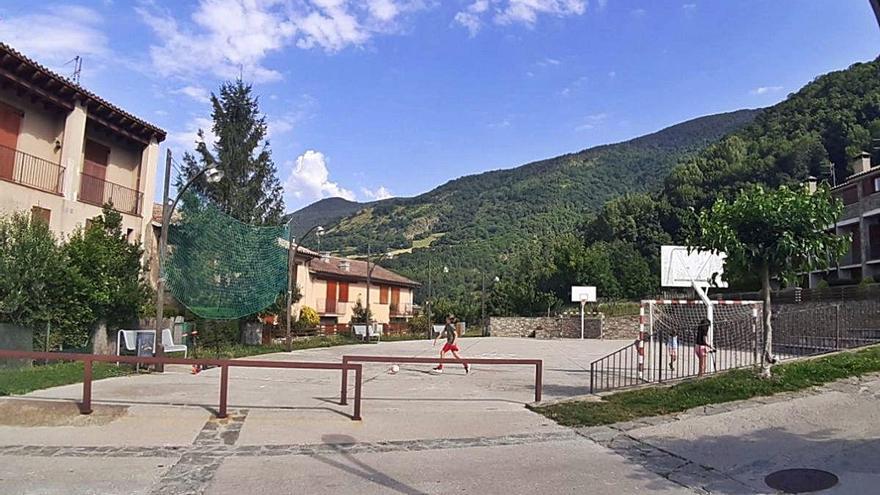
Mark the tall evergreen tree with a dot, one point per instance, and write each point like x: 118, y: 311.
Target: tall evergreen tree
x: 250, y: 190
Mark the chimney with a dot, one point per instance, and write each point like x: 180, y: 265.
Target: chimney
x: 861, y: 162
x: 345, y: 265
x: 810, y: 184
x: 325, y: 257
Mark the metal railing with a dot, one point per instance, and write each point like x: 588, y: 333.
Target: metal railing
x: 29, y: 170
x: 331, y: 307
x: 97, y: 191
x: 223, y: 364
x: 537, y: 363
x: 405, y: 309
x: 620, y: 369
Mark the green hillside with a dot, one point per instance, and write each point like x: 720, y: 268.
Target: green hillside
x: 327, y: 211
x: 478, y: 221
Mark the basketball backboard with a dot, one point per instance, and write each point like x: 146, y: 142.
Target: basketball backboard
x: 680, y: 268
x: 583, y: 294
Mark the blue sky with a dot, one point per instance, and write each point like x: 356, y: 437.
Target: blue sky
x: 373, y: 98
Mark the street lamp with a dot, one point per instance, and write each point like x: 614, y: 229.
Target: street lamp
x: 483, y: 302
x: 369, y: 282
x: 292, y: 272
x: 213, y: 174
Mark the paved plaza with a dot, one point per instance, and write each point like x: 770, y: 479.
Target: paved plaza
x: 420, y: 434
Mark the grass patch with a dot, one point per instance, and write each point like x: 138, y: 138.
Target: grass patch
x: 24, y: 380
x: 730, y: 386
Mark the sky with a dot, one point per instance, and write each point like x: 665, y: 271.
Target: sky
x: 370, y: 99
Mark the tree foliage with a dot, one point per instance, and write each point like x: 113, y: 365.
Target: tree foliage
x: 778, y: 233
x: 250, y: 190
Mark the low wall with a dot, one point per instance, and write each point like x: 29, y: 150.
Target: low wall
x: 621, y: 327
x: 543, y: 327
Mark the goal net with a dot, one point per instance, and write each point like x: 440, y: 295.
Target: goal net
x: 668, y: 334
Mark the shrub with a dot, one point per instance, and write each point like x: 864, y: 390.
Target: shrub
x: 309, y: 316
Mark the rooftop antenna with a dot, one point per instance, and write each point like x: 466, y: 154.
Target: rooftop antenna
x: 77, y: 68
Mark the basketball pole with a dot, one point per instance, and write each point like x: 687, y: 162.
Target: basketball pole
x: 583, y: 302
x: 710, y: 315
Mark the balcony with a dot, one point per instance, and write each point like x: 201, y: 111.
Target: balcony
x: 27, y: 170
x: 401, y: 310
x: 329, y: 307
x: 98, y: 192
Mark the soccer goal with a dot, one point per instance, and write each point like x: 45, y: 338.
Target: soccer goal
x: 668, y: 334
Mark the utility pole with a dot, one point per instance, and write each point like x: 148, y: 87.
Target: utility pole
x: 291, y: 277
x: 163, y: 246
x: 428, y: 303
x: 369, y: 313
x: 483, y: 302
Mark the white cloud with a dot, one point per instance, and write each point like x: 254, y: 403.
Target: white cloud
x: 591, y: 121
x: 638, y: 12
x: 197, y: 93
x: 185, y: 139
x: 381, y: 193
x: 470, y: 16
x: 310, y: 179
x: 689, y: 6
x: 762, y: 90
x: 302, y: 109
x: 232, y: 37
x: 527, y: 11
x: 506, y: 12
x: 574, y: 86
x: 57, y: 33
x: 548, y: 61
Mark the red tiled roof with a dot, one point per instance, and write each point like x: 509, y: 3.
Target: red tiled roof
x: 61, y: 90
x: 357, y: 271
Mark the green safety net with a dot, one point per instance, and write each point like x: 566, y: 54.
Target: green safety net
x: 221, y: 268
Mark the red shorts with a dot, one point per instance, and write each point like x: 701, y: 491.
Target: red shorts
x: 450, y: 347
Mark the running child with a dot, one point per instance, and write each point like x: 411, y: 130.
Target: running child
x: 451, y: 335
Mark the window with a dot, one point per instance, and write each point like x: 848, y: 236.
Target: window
x: 850, y: 196
x: 40, y: 214
x: 129, y: 234
x: 383, y: 294
x: 876, y: 184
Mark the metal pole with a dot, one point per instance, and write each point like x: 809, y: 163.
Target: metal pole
x: 163, y: 246
x: 358, y: 382
x: 582, y: 318
x: 369, y: 313
x: 483, y: 303
x: 539, y: 380
x: 291, y: 270
x: 428, y: 302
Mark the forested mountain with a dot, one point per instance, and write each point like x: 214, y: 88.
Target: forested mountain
x: 813, y: 132
x: 327, y: 211
x: 479, y: 221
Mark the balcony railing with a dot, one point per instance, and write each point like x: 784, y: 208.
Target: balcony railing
x: 331, y: 307
x: 28, y: 170
x: 97, y: 191
x: 402, y: 309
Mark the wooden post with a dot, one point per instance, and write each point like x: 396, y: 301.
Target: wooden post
x: 358, y: 380
x: 86, y: 406
x: 224, y: 385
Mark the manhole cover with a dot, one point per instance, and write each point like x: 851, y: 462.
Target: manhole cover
x: 800, y: 480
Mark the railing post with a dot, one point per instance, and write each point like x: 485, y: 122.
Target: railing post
x: 837, y: 327
x: 224, y: 385
x: 539, y: 380
x: 86, y: 406
x: 592, y: 376
x: 343, y: 394
x: 358, y: 381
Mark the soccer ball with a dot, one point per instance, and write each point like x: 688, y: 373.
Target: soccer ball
x: 394, y: 369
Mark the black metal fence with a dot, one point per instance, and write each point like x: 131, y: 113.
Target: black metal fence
x: 804, y: 329
x: 29, y: 170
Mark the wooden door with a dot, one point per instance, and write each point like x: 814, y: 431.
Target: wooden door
x: 92, y: 183
x: 343, y: 291
x: 395, y: 301
x: 10, y: 124
x: 330, y: 306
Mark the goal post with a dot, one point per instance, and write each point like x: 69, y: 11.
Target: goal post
x: 668, y: 332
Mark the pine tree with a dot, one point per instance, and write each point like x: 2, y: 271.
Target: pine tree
x: 250, y: 190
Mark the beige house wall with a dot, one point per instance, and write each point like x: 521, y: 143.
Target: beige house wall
x: 314, y: 290
x: 39, y: 131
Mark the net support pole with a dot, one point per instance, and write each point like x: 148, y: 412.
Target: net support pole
x: 583, y: 302
x: 710, y: 315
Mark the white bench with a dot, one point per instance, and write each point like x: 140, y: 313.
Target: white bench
x: 360, y: 331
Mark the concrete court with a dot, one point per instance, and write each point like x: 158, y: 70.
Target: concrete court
x: 425, y: 434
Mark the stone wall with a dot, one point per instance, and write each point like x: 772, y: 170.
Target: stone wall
x: 621, y: 327
x: 544, y: 327
x: 15, y: 338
